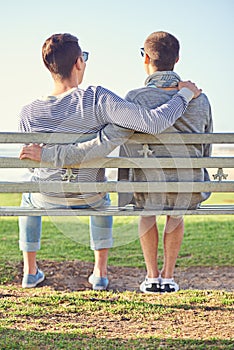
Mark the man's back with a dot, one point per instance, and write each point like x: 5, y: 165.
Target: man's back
x: 197, y: 118
x: 63, y: 113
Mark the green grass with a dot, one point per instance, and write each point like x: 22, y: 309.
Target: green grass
x: 208, y: 240
x: 45, y: 319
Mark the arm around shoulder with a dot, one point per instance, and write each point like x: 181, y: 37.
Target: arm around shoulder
x: 104, y: 143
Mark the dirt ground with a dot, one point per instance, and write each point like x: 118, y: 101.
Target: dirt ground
x: 195, y: 323
x: 73, y: 276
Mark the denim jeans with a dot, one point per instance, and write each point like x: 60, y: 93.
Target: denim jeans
x: 30, y: 227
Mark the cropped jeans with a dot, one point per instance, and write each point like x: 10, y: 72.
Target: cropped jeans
x: 30, y: 227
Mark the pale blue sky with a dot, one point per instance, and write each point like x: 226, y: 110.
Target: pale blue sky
x: 113, y: 32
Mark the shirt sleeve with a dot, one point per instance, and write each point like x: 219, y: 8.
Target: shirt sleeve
x: 123, y: 118
x: 104, y: 143
x: 111, y: 108
x: 23, y: 121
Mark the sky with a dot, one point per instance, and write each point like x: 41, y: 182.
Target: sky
x: 113, y: 32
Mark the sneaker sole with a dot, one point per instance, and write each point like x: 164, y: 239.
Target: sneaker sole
x: 99, y: 288
x: 149, y: 292
x: 96, y: 287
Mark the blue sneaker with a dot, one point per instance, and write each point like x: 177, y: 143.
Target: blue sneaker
x: 31, y: 281
x: 99, y: 283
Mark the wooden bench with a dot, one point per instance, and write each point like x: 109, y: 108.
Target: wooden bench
x: 221, y: 182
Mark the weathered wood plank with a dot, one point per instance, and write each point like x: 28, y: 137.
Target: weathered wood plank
x: 115, y: 186
x: 115, y: 211
x: 120, y: 162
x: 170, y: 138
x: 184, y: 138
x: 52, y: 138
x: 124, y: 187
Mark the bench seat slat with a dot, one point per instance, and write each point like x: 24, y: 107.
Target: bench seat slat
x: 116, y: 211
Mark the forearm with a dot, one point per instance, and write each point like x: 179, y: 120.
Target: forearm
x: 106, y: 141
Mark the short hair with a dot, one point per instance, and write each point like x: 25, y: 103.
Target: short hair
x: 60, y: 53
x: 163, y: 49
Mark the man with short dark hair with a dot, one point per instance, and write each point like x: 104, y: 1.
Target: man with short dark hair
x: 94, y: 110
x: 161, y: 53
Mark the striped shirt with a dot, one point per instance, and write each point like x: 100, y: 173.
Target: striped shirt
x: 88, y: 111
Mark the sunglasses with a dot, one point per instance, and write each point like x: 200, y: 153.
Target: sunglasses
x: 142, y: 51
x: 85, y: 56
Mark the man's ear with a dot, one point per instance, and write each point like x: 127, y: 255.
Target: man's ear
x: 78, y: 63
x: 177, y: 59
x: 147, y: 59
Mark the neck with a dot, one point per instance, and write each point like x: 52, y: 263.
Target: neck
x: 61, y: 86
x: 152, y: 70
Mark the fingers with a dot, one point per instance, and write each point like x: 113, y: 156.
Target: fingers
x: 187, y: 84
x: 191, y: 86
x: 32, y: 152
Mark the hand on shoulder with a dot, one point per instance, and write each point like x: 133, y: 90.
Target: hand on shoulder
x: 191, y: 86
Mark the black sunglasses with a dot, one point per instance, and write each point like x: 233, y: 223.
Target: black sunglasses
x: 142, y: 51
x: 85, y: 56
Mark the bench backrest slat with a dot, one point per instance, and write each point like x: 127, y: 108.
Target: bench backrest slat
x: 168, y: 138
x: 143, y: 163
x: 115, y: 186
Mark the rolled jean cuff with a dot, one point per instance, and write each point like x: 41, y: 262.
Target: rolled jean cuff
x: 29, y: 246
x: 101, y: 244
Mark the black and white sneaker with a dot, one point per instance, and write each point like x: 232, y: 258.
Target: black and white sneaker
x: 151, y: 285
x: 168, y: 285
